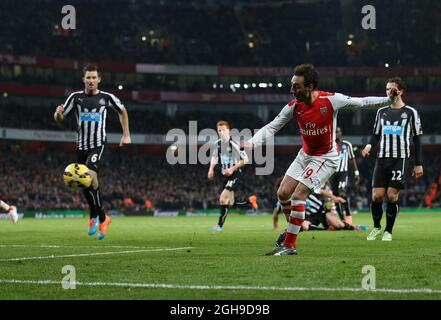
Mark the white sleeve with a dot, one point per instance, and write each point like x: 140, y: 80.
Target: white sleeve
x: 115, y: 103
x: 339, y: 100
x: 68, y: 104
x: 271, y: 128
x: 416, y: 124
x: 350, y: 150
x: 214, y: 154
x: 242, y: 154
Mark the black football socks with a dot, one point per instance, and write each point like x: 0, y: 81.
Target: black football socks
x: 391, y: 215
x: 377, y: 213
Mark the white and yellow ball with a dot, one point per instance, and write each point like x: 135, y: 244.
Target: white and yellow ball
x: 77, y: 177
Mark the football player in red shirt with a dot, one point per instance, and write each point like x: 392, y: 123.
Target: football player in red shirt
x: 316, y: 114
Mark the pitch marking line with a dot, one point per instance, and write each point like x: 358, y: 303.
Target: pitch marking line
x: 67, y: 246
x: 207, y: 287
x: 91, y: 254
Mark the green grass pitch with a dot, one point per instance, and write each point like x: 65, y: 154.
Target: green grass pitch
x: 179, y: 258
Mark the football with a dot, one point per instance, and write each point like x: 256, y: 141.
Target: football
x: 77, y: 177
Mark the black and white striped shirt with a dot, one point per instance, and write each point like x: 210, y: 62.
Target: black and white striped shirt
x: 228, y: 154
x: 395, y: 128
x: 91, y: 114
x: 314, y: 205
x: 346, y: 154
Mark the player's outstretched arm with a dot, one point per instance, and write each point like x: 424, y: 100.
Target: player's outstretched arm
x: 270, y: 129
x: 124, y: 120
x: 59, y: 113
x: 341, y: 101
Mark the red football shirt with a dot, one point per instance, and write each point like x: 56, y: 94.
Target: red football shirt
x: 318, y: 121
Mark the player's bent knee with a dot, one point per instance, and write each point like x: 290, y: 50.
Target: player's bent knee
x: 283, y: 194
x: 339, y: 225
x: 301, y: 194
x: 392, y: 197
x: 377, y: 196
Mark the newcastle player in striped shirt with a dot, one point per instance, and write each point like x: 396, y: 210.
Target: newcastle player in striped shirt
x: 394, y: 126
x: 228, y: 154
x: 90, y: 108
x: 339, y: 180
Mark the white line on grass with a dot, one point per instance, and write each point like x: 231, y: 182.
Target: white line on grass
x: 91, y: 254
x: 214, y: 287
x: 68, y: 246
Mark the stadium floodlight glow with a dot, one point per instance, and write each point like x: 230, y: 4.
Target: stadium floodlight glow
x: 386, y: 65
x: 214, y: 85
x: 120, y: 87
x: 279, y: 85
x: 237, y: 85
x: 253, y: 85
x: 5, y: 94
x: 251, y: 44
x: 250, y: 35
x: 263, y: 85
x: 151, y: 32
x: 351, y: 36
x: 144, y: 38
x: 270, y: 85
x: 349, y: 43
x: 221, y: 86
x: 245, y: 86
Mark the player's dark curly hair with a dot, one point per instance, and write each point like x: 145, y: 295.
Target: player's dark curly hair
x: 399, y: 82
x: 309, y: 73
x: 91, y: 67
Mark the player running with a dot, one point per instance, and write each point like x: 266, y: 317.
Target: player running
x: 11, y: 210
x: 90, y: 107
x: 316, y: 114
x: 394, y: 125
x: 231, y: 159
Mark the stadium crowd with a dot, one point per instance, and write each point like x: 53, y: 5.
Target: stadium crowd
x: 130, y: 181
x: 234, y: 33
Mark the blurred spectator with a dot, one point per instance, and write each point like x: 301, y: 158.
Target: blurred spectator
x: 270, y: 33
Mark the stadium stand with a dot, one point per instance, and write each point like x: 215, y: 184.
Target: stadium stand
x: 238, y: 46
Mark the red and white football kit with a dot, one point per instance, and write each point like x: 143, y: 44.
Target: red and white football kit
x: 319, y: 156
